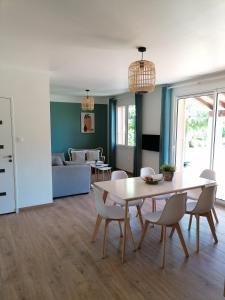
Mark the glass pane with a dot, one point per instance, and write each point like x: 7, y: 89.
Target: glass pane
x: 219, y: 154
x: 194, y: 133
x: 121, y: 125
x: 131, y: 125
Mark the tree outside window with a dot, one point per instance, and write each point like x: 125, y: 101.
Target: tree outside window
x: 131, y: 125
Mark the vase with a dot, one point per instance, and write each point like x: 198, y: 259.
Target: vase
x: 168, y: 176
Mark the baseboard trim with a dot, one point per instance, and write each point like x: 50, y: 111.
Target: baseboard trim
x: 22, y: 209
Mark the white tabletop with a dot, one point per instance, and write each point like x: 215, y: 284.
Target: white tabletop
x: 136, y: 188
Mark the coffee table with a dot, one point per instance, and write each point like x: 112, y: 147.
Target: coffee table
x: 101, y: 168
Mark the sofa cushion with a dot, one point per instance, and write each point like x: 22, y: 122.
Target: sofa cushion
x: 78, y: 156
x: 57, y: 159
x: 93, y: 155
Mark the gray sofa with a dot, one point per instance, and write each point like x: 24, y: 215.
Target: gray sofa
x: 71, y: 179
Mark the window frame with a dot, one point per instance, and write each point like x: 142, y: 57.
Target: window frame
x: 117, y: 144
x: 126, y: 126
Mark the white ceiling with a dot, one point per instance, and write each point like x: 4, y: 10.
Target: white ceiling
x: 90, y: 43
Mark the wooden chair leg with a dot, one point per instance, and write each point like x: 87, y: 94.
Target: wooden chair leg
x: 164, y: 246
x: 190, y: 221
x: 105, y: 237
x: 131, y: 235
x: 161, y: 235
x: 143, y: 234
x: 212, y: 227
x: 97, y: 225
x: 121, y: 231
x: 172, y: 231
x: 215, y: 215
x: 180, y: 235
x: 140, y: 216
x: 126, y: 219
x: 197, y: 232
x: 140, y: 207
x: 153, y: 205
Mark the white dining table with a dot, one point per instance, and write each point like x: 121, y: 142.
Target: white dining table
x: 135, y: 188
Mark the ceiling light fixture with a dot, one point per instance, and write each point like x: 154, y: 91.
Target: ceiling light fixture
x: 88, y: 102
x: 141, y: 75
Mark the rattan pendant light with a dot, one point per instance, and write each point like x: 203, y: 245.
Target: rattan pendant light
x: 88, y: 102
x: 141, y: 75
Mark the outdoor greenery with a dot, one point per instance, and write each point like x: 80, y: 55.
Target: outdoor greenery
x: 196, y: 126
x: 131, y: 125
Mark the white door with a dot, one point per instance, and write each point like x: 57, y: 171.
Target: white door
x: 7, y: 188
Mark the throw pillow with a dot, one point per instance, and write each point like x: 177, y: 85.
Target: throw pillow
x: 78, y: 156
x: 93, y: 155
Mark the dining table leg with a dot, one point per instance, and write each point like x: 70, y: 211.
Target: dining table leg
x: 126, y: 220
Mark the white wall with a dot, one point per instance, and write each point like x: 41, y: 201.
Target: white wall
x: 30, y: 93
x: 151, y: 118
x: 151, y: 114
x: 125, y: 154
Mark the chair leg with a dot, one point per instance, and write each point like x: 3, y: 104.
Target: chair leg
x: 212, y: 227
x: 131, y: 235
x: 153, y: 205
x: 164, y: 246
x: 190, y: 221
x: 97, y: 225
x: 105, y: 237
x: 172, y: 231
x: 180, y: 235
x: 140, y: 216
x: 215, y: 215
x: 197, y: 232
x: 143, y: 234
x: 161, y: 235
x: 140, y: 207
x: 121, y: 231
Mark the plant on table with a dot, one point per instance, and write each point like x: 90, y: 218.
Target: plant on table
x: 168, y: 171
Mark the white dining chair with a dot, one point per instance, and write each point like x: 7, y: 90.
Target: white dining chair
x: 110, y: 213
x: 193, y: 195
x: 120, y: 202
x: 203, y: 207
x: 172, y: 213
x: 147, y: 171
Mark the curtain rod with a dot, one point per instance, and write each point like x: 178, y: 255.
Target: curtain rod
x: 195, y: 82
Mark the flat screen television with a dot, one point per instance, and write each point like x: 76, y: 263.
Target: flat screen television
x: 151, y: 142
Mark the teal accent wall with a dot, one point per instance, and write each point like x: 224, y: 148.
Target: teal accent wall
x: 66, y: 127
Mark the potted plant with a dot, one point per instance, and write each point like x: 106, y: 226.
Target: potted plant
x: 168, y: 171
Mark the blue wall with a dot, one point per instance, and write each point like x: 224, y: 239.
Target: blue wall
x: 66, y: 129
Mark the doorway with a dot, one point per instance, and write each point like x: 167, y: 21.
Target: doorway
x: 7, y: 179
x: 200, y: 142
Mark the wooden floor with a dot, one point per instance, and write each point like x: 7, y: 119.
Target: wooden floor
x: 46, y: 253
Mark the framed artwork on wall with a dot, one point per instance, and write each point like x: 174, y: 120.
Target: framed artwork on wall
x: 87, y: 122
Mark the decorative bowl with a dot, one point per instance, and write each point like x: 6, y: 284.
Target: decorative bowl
x: 153, y: 179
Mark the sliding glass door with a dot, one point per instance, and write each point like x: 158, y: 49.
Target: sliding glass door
x: 219, y: 145
x: 200, y: 142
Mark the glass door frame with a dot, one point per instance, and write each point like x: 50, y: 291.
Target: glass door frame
x: 215, y: 94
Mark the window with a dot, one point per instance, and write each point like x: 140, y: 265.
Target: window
x: 126, y: 125
x: 121, y: 124
x: 131, y: 126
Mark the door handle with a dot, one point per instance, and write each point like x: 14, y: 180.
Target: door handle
x: 7, y: 156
